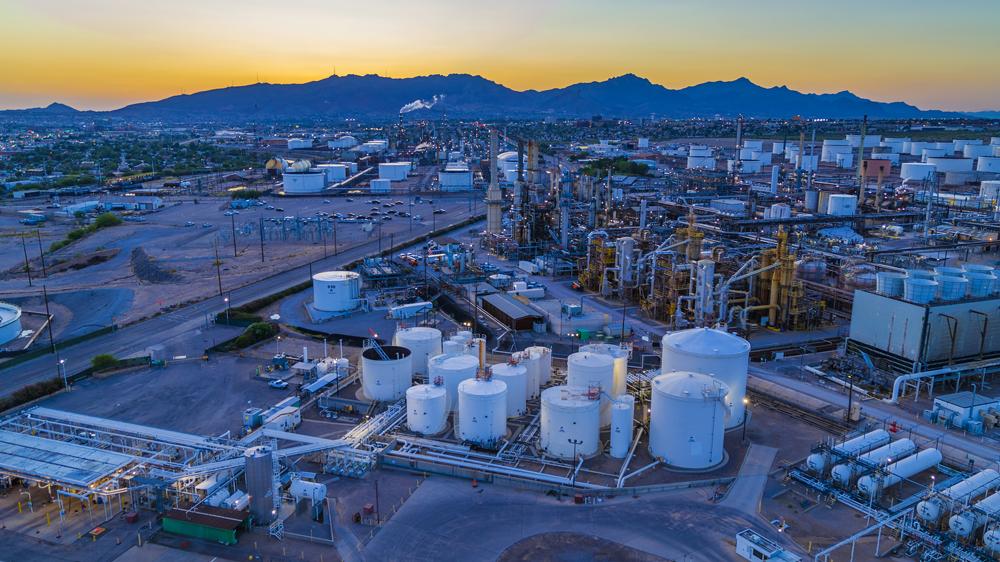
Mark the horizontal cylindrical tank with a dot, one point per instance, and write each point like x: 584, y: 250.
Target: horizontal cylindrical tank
x: 588, y: 369
x: 897, y: 471
x: 238, y: 501
x: 422, y: 342
x: 966, y: 523
x: 991, y: 539
x: 482, y: 411
x: 622, y: 418
x: 216, y: 499
x: 545, y: 363
x: 452, y: 370
x: 711, y: 352
x: 336, y: 291
x: 384, y: 380
x: 516, y: 379
x: 569, y: 422
x: 426, y: 408
x: 852, y: 447
x: 312, y: 491
x: 687, y: 420
x: 968, y: 489
x: 845, y: 473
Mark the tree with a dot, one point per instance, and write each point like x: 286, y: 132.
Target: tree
x: 107, y: 219
x: 103, y: 361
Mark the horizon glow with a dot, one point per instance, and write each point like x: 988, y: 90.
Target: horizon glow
x: 105, y: 54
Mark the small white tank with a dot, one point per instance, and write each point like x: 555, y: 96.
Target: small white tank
x: 622, y: 418
x: 482, y: 411
x: 845, y: 473
x: 312, y: 491
x: 621, y: 356
x: 531, y: 363
x: 386, y: 380
x: 476, y: 347
x: 426, y: 408
x: 453, y: 369
x: 711, y: 352
x: 586, y: 369
x: 568, y: 415
x: 463, y: 336
x: 687, y: 420
x: 424, y: 343
x: 966, y: 523
x: 516, y: 379
x: 545, y: 365
x: 853, y: 447
x: 216, y: 499
x: 963, y: 492
x: 991, y: 539
x: 451, y: 347
x: 896, y: 471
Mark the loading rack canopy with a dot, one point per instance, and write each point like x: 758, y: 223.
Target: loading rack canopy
x: 59, y: 462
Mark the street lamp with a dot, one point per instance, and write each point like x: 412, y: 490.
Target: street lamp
x: 746, y: 403
x: 62, y: 367
x: 277, y: 341
x: 226, y: 300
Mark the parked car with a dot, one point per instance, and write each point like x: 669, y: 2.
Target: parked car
x: 189, y: 224
x: 279, y: 384
x: 206, y: 225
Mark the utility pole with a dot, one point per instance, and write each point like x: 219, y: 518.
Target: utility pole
x: 233, y: 217
x: 262, y: 239
x: 335, y: 248
x: 218, y: 266
x: 27, y: 266
x: 324, y: 239
x: 41, y: 253
x: 52, y: 343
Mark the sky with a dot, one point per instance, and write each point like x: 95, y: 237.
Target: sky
x: 104, y: 54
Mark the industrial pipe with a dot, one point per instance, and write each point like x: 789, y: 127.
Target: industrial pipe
x: 628, y: 459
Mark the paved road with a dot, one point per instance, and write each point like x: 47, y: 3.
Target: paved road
x: 744, y: 494
x: 184, y: 323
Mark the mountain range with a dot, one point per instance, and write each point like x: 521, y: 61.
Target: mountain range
x: 627, y: 96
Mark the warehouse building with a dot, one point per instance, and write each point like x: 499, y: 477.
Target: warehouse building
x: 511, y: 312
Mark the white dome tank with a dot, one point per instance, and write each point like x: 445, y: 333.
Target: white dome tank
x: 463, y: 336
x: 587, y: 369
x: 905, y: 468
x: 711, y: 352
x: 687, y: 420
x: 845, y: 473
x: 451, y: 347
x: 386, y: 380
x: 312, y: 491
x: 531, y: 362
x: 426, y: 408
x: 965, y: 524
x: 476, y: 347
x: 545, y: 365
x: 621, y: 357
x: 968, y: 489
x: 516, y: 379
x: 482, y: 411
x: 569, y: 414
x: 852, y: 447
x: 336, y: 291
x: 453, y: 369
x: 622, y: 417
x: 424, y: 343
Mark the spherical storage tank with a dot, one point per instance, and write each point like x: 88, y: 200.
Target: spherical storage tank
x: 426, y: 408
x: 482, y: 411
x: 586, y: 369
x: 10, y: 322
x: 711, y: 352
x: 336, y: 291
x: 386, y: 380
x: 687, y: 420
x: 516, y: 379
x: 452, y: 369
x: 569, y: 414
x: 424, y: 343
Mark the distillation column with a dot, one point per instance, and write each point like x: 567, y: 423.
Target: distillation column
x: 493, y: 197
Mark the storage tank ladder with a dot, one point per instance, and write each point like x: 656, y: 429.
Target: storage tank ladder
x: 277, y: 528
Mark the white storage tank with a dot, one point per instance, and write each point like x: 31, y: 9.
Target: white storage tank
x: 711, y: 352
x: 545, y: 363
x: 845, y: 473
x: 10, y: 322
x: 452, y: 370
x: 304, y: 182
x: 305, y: 490
x: 216, y: 499
x: 687, y: 420
x: 975, y: 151
x: 906, y: 468
x: 383, y: 380
x: 516, y: 379
x: 916, y: 171
x: 621, y: 356
x: 988, y: 164
x: 919, y: 290
x: 950, y: 164
x: 871, y: 440
x: 451, y: 347
x: 482, y: 411
x: 424, y: 343
x: 890, y: 283
x: 464, y: 336
x: 950, y: 288
x: 842, y: 205
x: 569, y: 414
x: 531, y: 363
x: 966, y: 490
x: 336, y: 291
x: 586, y: 369
x: 990, y: 190
x: 980, y: 284
x: 947, y: 147
x: 426, y: 408
x: 622, y: 420
x: 965, y: 525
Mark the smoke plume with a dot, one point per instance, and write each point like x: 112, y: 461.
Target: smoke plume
x: 421, y: 104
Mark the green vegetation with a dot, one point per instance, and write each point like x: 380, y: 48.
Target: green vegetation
x: 103, y: 361
x: 103, y: 220
x: 31, y: 392
x: 264, y: 302
x: 256, y: 333
x: 246, y: 194
x: 619, y: 165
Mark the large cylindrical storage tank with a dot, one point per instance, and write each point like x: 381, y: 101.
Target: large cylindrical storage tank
x: 965, y: 525
x: 988, y: 164
x: 545, y: 363
x: 10, y: 322
x: 687, y: 420
x: 336, y: 291
x: 569, y: 415
x: 463, y: 336
x: 620, y: 355
x: 871, y: 440
x: 845, y: 473
x: 711, y: 352
x: 588, y: 369
x: 890, y: 283
x: 916, y: 171
x: 950, y: 164
x: 919, y: 290
x: 980, y: 284
x: 260, y: 484
x: 383, y: 380
x: 531, y: 363
x: 482, y: 411
x: 812, y: 200
x: 950, y: 287
x: 966, y: 490
x: 975, y: 151
x: 516, y: 379
x: 423, y: 344
x: 426, y: 408
x: 622, y: 418
x: 452, y: 369
x: 905, y: 468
